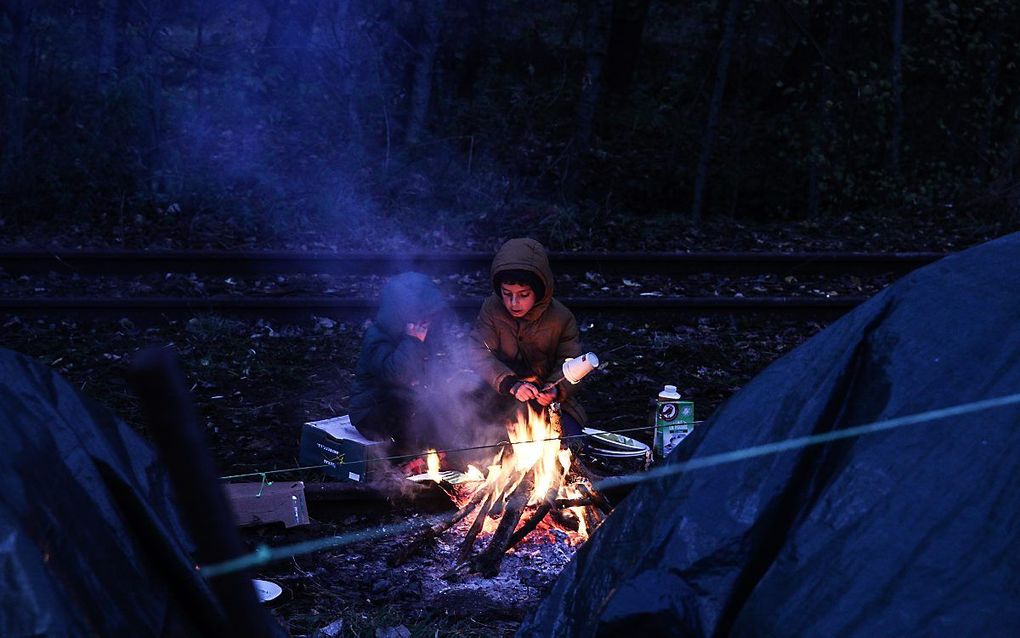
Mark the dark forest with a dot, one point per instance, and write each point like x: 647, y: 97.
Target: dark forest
x: 231, y: 185
x: 480, y: 116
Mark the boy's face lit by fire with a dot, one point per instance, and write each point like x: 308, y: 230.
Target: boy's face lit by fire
x: 418, y: 329
x: 517, y: 299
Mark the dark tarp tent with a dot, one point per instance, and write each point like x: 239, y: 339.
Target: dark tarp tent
x: 909, y: 531
x: 90, y: 541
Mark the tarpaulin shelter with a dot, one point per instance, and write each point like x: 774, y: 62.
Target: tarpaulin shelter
x: 90, y: 540
x: 908, y: 531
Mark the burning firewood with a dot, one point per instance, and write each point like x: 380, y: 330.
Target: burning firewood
x: 476, y: 526
x: 525, y: 486
x: 432, y: 532
x: 487, y: 563
x: 596, y: 498
x: 564, y: 519
x: 468, y: 543
x: 537, y: 516
x: 592, y: 517
x: 496, y: 510
x: 544, y: 506
x: 567, y: 503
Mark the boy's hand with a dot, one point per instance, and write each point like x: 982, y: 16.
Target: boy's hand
x: 547, y: 395
x: 417, y: 330
x: 525, y: 391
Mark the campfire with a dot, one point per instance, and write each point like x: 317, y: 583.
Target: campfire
x: 533, y: 486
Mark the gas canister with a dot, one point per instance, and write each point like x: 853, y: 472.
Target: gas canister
x: 674, y: 420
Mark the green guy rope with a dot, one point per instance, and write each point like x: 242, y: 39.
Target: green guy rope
x: 419, y: 454
x: 264, y: 554
x: 805, y: 441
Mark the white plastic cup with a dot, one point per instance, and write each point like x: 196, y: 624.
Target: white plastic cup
x: 577, y: 368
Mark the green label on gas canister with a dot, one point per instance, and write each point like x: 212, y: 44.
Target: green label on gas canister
x: 674, y: 420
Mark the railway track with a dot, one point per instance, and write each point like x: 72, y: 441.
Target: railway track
x: 264, y: 263
x: 86, y: 262
x: 355, y: 308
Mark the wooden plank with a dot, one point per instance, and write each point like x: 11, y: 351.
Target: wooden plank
x: 262, y: 504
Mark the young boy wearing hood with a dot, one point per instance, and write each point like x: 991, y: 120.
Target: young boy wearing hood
x: 392, y: 379
x: 523, y: 335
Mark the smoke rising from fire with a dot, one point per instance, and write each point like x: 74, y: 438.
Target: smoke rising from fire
x: 458, y: 401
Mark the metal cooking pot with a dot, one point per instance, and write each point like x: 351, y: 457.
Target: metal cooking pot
x: 614, y: 453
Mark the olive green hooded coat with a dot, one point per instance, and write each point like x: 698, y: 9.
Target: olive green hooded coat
x: 534, y: 346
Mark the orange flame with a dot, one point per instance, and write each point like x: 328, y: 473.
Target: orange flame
x: 536, y: 447
x: 432, y: 459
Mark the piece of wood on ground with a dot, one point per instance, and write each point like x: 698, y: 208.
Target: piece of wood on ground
x: 260, y: 503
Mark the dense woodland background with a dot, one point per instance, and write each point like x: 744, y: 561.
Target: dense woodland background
x: 451, y: 124
x: 575, y: 116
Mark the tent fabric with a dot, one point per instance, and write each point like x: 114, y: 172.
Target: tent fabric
x: 90, y: 543
x: 910, y: 531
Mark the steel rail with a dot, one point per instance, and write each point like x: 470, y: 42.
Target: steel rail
x: 246, y: 263
x: 358, y: 308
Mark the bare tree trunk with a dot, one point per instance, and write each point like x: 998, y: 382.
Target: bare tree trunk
x: 989, y: 84
x: 743, y: 133
x: 714, y: 108
x: 474, y: 52
x: 107, y: 61
x: 896, y: 128
x: 595, y: 26
x: 622, y: 53
x: 421, y: 91
x: 19, y: 12
x: 154, y: 93
x: 591, y: 84
x: 350, y: 66
x: 198, y: 55
x: 820, y: 156
x: 287, y: 37
x: 150, y: 77
x: 1009, y: 179
x: 1009, y: 162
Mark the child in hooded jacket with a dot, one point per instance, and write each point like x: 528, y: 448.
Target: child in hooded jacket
x: 395, y: 366
x: 523, y: 334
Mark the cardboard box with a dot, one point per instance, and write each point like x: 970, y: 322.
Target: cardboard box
x: 335, y: 443
x: 261, y: 504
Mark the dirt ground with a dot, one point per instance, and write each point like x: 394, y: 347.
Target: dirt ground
x: 256, y: 382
